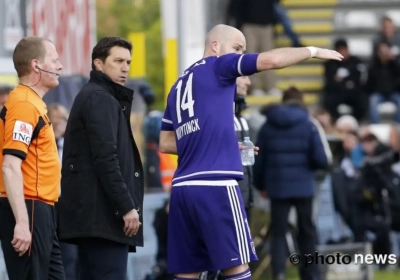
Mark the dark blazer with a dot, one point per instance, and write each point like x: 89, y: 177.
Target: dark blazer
x: 102, y: 173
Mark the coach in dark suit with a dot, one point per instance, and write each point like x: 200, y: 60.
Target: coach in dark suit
x: 102, y: 175
x: 292, y: 146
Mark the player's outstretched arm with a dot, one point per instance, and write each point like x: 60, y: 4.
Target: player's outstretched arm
x: 167, y: 143
x: 284, y: 57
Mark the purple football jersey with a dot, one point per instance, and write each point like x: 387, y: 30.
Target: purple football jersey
x: 200, y: 111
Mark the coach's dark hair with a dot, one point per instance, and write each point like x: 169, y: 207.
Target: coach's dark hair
x: 28, y: 49
x: 102, y: 49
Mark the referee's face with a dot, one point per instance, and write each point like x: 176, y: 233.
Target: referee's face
x: 51, y: 65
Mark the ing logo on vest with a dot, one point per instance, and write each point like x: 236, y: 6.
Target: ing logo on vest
x: 22, y: 132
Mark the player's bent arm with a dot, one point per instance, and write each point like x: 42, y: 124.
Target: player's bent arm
x: 13, y: 181
x: 284, y: 57
x: 167, y: 143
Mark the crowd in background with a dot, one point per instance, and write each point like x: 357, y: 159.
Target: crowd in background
x: 364, y: 86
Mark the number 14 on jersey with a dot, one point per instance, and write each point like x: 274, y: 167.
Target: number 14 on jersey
x: 186, y: 101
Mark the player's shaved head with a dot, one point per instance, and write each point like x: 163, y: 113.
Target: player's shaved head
x: 219, y: 33
x: 223, y: 39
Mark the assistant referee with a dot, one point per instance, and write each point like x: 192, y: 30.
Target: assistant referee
x: 30, y: 181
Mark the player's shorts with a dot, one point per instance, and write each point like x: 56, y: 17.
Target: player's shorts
x: 207, y: 227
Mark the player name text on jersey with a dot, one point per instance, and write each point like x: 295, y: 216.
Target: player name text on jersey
x: 187, y: 128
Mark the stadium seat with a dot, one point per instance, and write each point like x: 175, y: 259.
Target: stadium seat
x: 395, y: 16
x: 361, y: 19
x: 381, y: 131
x: 344, y: 109
x: 360, y: 47
x: 387, y: 108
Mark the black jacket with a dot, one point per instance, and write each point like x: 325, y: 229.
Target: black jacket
x: 257, y: 12
x: 102, y: 174
x: 383, y: 78
x: 355, y: 69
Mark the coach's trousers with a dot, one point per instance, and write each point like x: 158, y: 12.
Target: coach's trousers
x: 69, y: 253
x: 101, y: 259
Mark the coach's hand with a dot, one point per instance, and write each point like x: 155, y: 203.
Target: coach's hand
x: 132, y: 223
x: 327, y: 54
x: 22, y: 238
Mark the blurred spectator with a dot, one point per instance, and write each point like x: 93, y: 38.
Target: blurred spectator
x: 57, y: 113
x: 388, y: 35
x: 159, y: 168
x: 394, y: 143
x: 58, y: 116
x: 292, y: 147
x: 394, y: 138
x: 377, y: 196
x: 282, y: 16
x: 257, y: 18
x: 325, y: 120
x: 168, y: 166
x: 383, y: 82
x: 353, y: 155
x: 160, y: 224
x: 344, y: 178
x: 4, y: 92
x: 242, y: 130
x: 146, y: 92
x: 346, y: 124
x: 234, y: 14
x: 363, y: 131
x: 235, y: 18
x: 152, y: 127
x: 343, y: 83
